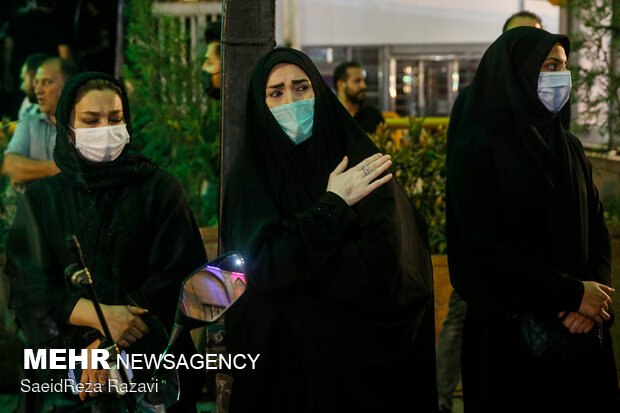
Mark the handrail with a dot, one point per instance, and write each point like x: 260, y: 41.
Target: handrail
x: 405, y: 123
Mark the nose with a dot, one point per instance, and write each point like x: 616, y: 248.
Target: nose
x: 363, y: 84
x: 38, y: 90
x: 289, y: 98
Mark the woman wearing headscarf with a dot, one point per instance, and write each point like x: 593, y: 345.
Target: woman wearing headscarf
x: 339, y: 299
x: 527, y: 238
x: 137, y: 233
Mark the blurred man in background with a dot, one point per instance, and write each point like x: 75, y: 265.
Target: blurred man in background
x: 29, y: 105
x: 350, y: 82
x: 211, y: 69
x: 522, y: 18
x: 34, y: 29
x: 212, y: 120
x: 29, y: 155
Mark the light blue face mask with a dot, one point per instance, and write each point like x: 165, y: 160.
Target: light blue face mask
x: 554, y: 89
x: 296, y: 119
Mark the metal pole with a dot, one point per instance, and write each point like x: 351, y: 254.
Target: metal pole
x: 248, y: 32
x: 118, y: 61
x: 614, y: 73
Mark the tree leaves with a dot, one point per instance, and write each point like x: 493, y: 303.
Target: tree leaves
x: 419, y: 165
x: 168, y: 105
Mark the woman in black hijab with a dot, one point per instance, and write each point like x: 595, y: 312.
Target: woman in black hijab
x: 136, y: 231
x: 339, y: 302
x: 527, y: 235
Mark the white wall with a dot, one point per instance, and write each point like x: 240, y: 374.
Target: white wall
x: 381, y: 22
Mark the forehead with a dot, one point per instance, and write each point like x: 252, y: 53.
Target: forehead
x: 557, y: 52
x: 49, y: 70
x: 95, y: 99
x: 355, y: 72
x: 283, y: 72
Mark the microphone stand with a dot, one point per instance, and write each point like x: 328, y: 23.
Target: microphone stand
x: 79, y: 276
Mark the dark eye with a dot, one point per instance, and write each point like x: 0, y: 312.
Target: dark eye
x: 302, y: 88
x: 117, y: 120
x: 276, y: 93
x: 91, y: 121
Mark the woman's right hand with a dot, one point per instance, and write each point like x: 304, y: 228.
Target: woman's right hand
x: 125, y: 323
x: 596, y: 301
x: 355, y: 184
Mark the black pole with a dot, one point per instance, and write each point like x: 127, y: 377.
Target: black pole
x: 248, y: 32
x: 118, y: 50
x: 80, y: 277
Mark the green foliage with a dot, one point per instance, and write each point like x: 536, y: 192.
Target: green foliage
x: 596, y: 82
x: 420, y: 167
x: 168, y: 104
x: 612, y: 211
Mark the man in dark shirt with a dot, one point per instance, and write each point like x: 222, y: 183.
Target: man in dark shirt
x: 212, y: 120
x: 350, y: 81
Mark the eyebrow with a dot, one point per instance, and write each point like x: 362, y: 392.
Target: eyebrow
x: 114, y: 112
x: 295, y: 82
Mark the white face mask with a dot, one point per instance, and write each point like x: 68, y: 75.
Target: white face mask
x: 554, y: 89
x: 103, y: 144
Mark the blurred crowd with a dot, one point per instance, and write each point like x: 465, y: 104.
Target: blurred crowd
x: 83, y: 31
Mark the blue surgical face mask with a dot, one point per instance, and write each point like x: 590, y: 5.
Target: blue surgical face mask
x: 296, y: 119
x: 554, y: 89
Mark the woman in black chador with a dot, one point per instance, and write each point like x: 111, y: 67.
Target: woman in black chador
x: 339, y: 302
x: 527, y: 239
x: 136, y: 230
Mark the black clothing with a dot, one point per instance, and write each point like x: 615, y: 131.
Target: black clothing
x: 134, y: 225
x: 369, y: 118
x: 525, y: 226
x: 339, y: 300
x: 94, y: 33
x: 34, y: 31
x: 565, y: 116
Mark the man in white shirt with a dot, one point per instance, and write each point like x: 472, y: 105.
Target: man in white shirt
x: 29, y: 105
x: 29, y: 155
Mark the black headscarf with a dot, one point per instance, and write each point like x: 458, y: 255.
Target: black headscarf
x: 320, y: 295
x: 501, y: 116
x: 80, y: 172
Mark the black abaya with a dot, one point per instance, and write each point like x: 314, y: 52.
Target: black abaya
x: 339, y: 301
x: 525, y: 227
x: 135, y: 228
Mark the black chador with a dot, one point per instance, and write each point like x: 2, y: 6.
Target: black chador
x: 132, y: 220
x: 525, y: 227
x: 339, y: 301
